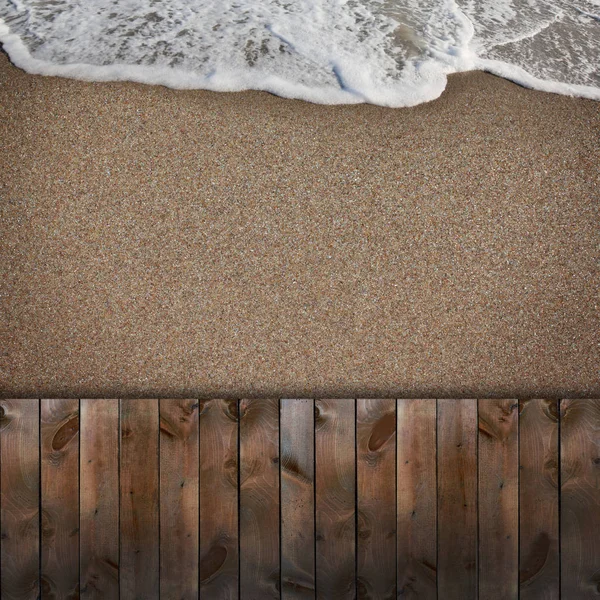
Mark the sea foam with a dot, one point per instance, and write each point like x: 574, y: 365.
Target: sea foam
x: 324, y: 51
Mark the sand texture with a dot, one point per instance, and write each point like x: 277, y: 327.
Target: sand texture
x: 185, y: 243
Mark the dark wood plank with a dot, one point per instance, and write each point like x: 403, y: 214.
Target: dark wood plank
x: 139, y: 499
x: 20, y: 493
x: 335, y: 489
x: 99, y: 499
x: 219, y: 499
x: 376, y: 491
x: 580, y: 499
x: 297, y: 465
x: 259, y: 499
x: 457, y: 499
x: 179, y: 501
x: 538, y: 499
x: 498, y: 499
x: 417, y: 506
x: 60, y: 498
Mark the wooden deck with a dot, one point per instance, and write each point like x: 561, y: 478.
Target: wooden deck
x: 333, y: 499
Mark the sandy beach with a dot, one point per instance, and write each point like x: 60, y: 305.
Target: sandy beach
x: 186, y: 243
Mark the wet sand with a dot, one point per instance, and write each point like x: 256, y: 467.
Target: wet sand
x: 185, y: 243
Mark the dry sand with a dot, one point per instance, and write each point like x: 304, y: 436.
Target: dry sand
x: 187, y: 243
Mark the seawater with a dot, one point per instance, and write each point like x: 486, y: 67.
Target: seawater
x: 387, y: 52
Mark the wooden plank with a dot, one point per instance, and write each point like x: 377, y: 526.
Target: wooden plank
x: 259, y: 499
x: 580, y: 499
x: 457, y: 499
x: 219, y: 499
x: 538, y: 499
x: 179, y: 502
x: 60, y: 498
x: 99, y: 499
x: 498, y: 499
x: 416, y: 494
x: 376, y: 497
x: 139, y: 499
x: 335, y: 489
x: 297, y: 466
x: 20, y: 493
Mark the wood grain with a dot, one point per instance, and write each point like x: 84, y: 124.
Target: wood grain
x: 498, y: 499
x: 580, y: 499
x: 20, y: 494
x: 335, y: 489
x: 60, y: 499
x: 352, y: 492
x: 179, y: 501
x: 457, y: 499
x: 99, y: 499
x: 297, y: 425
x: 538, y: 499
x: 259, y: 499
x: 376, y: 474
x: 219, y: 499
x: 416, y: 494
x: 139, y: 500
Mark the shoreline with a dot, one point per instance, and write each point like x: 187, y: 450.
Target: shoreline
x: 183, y: 242
x: 425, y: 88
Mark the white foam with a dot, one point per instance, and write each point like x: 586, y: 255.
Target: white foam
x: 587, y: 14
x: 324, y: 51
x: 522, y: 77
x: 547, y: 45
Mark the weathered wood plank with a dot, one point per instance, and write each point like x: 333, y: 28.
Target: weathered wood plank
x: 335, y: 489
x: 179, y: 500
x: 20, y: 495
x: 538, y: 499
x: 297, y: 499
x: 498, y: 499
x: 396, y: 516
x: 376, y: 485
x: 416, y: 494
x: 580, y: 499
x: 139, y: 499
x: 60, y: 498
x: 99, y: 499
x: 219, y: 499
x: 259, y: 499
x: 457, y: 499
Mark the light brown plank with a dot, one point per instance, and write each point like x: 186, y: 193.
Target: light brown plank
x: 580, y: 499
x: 538, y: 499
x: 335, y: 455
x: 139, y: 500
x: 259, y: 499
x: 297, y: 499
x: 179, y: 501
x: 376, y: 486
x: 20, y: 494
x: 60, y: 498
x: 416, y: 493
x: 457, y: 499
x: 219, y: 499
x: 498, y: 499
x: 99, y: 499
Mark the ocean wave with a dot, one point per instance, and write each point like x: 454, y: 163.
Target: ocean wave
x: 323, y: 51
